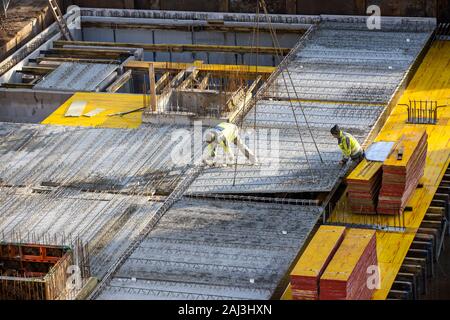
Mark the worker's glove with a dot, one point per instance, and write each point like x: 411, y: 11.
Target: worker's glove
x: 343, y: 162
x: 256, y: 162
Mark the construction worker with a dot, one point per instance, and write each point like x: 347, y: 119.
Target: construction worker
x: 349, y: 146
x: 224, y: 134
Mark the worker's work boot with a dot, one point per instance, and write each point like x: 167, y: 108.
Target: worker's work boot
x: 253, y: 162
x: 231, y: 160
x: 209, y: 162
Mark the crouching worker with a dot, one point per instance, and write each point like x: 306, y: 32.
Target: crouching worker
x: 222, y: 135
x: 350, y: 147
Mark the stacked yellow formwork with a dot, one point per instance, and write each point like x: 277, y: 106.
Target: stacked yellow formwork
x: 364, y: 186
x: 349, y: 273
x: 306, y: 274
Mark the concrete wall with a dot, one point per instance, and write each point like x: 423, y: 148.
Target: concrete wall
x: 204, y: 103
x: 202, y: 37
x: 419, y: 8
x: 28, y: 106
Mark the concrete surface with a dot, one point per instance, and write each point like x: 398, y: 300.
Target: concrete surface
x: 210, y: 249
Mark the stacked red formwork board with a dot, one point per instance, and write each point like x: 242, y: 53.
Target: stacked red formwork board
x: 349, y: 275
x: 364, y: 185
x: 385, y: 188
x: 336, y: 265
x: 401, y: 177
x: 306, y: 274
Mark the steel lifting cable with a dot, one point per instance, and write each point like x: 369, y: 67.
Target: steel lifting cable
x: 6, y: 6
x: 275, y: 43
x: 255, y: 42
x: 277, y: 46
x: 257, y: 66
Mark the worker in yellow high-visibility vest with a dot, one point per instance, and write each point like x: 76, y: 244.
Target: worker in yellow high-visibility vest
x: 350, y: 147
x: 223, y: 135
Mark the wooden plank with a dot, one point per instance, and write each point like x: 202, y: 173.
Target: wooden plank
x: 17, y: 85
x: 205, y: 82
x: 120, y: 82
x: 189, y: 80
x: 189, y: 27
x: 87, y: 53
x: 36, y: 70
x: 152, y: 79
x: 217, y: 70
x: 40, y: 60
x: 165, y: 78
x: 176, y: 47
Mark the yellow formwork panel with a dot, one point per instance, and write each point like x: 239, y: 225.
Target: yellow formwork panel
x: 431, y: 82
x: 319, y: 251
x: 111, y: 103
x: 365, y: 170
x: 409, y: 141
x: 348, y: 254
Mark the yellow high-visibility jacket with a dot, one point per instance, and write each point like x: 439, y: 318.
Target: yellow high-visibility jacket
x: 350, y: 147
x: 226, y: 133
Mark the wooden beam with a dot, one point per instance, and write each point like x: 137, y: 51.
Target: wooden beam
x: 165, y: 78
x: 120, y: 82
x: 87, y: 52
x: 255, y: 84
x: 189, y: 27
x: 81, y: 60
x: 177, y: 79
x: 17, y: 85
x: 38, y: 70
x: 186, y: 83
x: 87, y: 289
x: 241, y: 99
x: 151, y: 77
x: 205, y: 82
x: 216, y: 70
x: 176, y: 47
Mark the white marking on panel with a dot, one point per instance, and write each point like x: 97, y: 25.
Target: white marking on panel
x: 94, y: 112
x: 76, y: 109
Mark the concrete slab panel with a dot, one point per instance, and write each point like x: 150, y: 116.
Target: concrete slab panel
x: 241, y: 249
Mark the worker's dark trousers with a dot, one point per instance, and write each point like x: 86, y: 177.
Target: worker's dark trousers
x: 357, y: 158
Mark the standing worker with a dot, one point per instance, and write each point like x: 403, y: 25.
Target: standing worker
x: 224, y: 134
x: 349, y: 146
